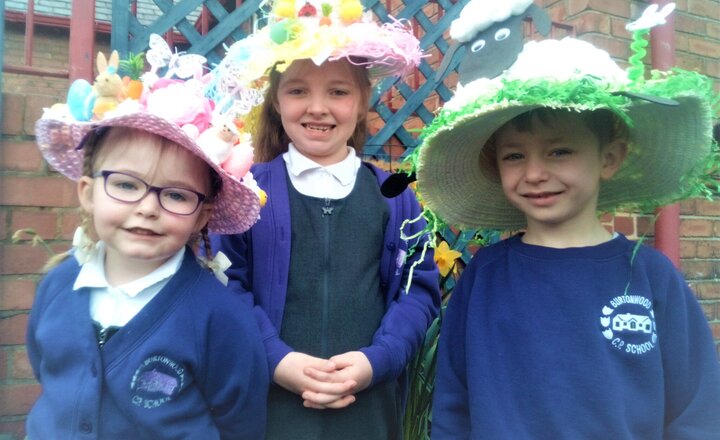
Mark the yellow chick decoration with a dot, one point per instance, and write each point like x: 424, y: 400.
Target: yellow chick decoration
x: 350, y: 10
x: 285, y: 9
x: 262, y: 195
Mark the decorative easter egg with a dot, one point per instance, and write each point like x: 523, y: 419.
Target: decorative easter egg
x: 279, y: 33
x: 81, y: 100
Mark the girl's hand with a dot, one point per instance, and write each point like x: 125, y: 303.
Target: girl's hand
x: 352, y: 366
x: 290, y: 374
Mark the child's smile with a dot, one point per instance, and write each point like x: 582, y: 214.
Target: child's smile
x: 543, y: 198
x: 318, y: 128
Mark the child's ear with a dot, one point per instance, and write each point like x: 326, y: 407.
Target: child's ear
x: 612, y: 157
x: 206, y: 210
x: 85, y: 193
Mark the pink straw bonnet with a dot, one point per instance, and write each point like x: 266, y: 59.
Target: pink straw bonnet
x: 175, y: 110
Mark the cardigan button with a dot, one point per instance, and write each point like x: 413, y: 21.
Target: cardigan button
x: 85, y: 427
x: 391, y: 246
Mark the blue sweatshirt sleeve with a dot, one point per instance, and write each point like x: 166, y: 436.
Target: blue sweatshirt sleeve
x: 692, y: 371
x: 450, y: 406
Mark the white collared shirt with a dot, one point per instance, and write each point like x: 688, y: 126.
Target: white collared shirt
x: 310, y: 178
x: 115, y: 306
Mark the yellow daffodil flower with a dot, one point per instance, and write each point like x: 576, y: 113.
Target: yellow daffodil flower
x: 445, y: 257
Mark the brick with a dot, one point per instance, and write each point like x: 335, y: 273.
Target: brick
x: 688, y: 249
x: 710, y: 309
x: 696, y: 228
x: 34, y: 106
x: 689, y: 62
x: 690, y: 24
x: 557, y: 11
x: 616, y: 48
x: 618, y: 8
x: 646, y: 226
x: 712, y: 68
x: 17, y: 399
x: 591, y: 21
x: 12, y: 329
x: 22, y: 259
x: 4, y: 228
x: 617, y: 28
x: 681, y: 5
x: 21, y: 368
x: 4, y: 363
x: 701, y: 269
x: 715, y: 327
x: 54, y: 191
x: 69, y: 221
x: 13, y: 429
x: 713, y: 30
x: 43, y: 222
x: 688, y: 207
x: 20, y: 156
x: 704, y: 8
x: 704, y: 47
x: 17, y: 294
x: 624, y: 225
x: 707, y: 290
x: 708, y: 249
x: 681, y: 42
x: 13, y: 109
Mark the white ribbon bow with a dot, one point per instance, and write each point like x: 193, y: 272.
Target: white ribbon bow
x: 85, y: 248
x: 219, y: 264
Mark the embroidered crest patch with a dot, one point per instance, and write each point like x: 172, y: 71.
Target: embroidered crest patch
x: 628, y: 322
x: 156, y: 381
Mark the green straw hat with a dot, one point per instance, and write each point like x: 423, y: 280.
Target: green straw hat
x: 668, y: 115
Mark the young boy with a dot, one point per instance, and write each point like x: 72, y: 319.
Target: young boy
x: 567, y: 331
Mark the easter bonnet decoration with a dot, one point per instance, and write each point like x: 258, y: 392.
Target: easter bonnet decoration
x: 321, y: 31
x: 668, y: 115
x: 174, y: 107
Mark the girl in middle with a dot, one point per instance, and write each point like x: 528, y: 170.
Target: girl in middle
x: 342, y: 297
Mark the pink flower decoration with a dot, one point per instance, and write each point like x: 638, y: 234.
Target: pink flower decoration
x: 181, y: 103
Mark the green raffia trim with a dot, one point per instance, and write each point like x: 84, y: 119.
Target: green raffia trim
x: 586, y: 94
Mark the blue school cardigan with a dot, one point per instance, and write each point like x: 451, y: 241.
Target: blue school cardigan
x: 261, y: 260
x: 190, y: 364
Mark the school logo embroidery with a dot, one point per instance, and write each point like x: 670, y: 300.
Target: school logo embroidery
x: 628, y: 322
x: 156, y: 381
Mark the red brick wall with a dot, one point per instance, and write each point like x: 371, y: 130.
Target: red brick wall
x: 31, y: 196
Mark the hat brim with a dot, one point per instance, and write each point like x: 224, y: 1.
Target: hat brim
x: 235, y: 209
x: 666, y: 145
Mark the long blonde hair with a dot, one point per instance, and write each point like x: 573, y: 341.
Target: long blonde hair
x: 270, y: 139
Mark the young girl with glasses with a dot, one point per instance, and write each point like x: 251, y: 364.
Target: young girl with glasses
x: 131, y: 336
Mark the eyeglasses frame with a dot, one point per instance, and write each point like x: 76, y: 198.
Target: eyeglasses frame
x: 148, y: 189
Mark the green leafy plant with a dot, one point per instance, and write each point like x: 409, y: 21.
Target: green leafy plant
x: 133, y: 66
x: 421, y: 370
